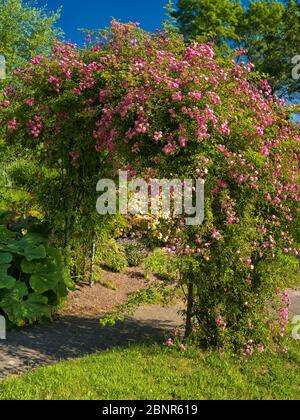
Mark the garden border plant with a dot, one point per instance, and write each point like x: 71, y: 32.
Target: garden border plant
x: 33, y: 278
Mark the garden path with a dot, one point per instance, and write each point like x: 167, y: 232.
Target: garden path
x: 76, y: 331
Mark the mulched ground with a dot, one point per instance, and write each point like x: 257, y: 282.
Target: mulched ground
x: 99, y: 299
x: 76, y: 332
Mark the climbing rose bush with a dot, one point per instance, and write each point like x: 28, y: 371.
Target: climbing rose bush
x: 157, y: 106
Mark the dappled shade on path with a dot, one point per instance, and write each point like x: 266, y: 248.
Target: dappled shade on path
x: 73, y: 336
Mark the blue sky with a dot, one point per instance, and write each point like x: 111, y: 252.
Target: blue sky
x: 95, y: 14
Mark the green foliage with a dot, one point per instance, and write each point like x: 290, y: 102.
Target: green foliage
x: 25, y: 31
x: 108, y: 252
x: 19, y: 179
x: 268, y: 30
x: 133, y: 255
x: 37, y: 191
x: 170, y: 21
x: 215, y: 20
x: 162, y: 264
x: 33, y: 278
x: 112, y: 256
x: 135, y: 252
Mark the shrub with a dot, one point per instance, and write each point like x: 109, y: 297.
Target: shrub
x: 33, y: 278
x: 163, y: 264
x: 133, y: 255
x: 112, y: 256
x: 134, y: 250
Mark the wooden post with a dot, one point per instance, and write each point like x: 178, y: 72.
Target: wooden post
x: 189, y: 310
x: 93, y: 252
x: 67, y: 231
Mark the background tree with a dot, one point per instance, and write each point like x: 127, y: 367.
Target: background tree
x: 25, y: 31
x: 216, y: 20
x: 269, y: 30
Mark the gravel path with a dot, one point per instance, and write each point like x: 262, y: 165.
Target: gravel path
x: 71, y: 337
x: 295, y: 298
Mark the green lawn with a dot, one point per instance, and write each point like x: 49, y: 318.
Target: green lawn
x: 152, y: 372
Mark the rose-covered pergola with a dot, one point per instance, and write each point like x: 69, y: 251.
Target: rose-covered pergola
x: 161, y: 107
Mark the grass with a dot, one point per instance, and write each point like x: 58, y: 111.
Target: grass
x: 153, y: 372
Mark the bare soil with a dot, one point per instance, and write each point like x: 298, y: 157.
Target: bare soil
x: 102, y: 297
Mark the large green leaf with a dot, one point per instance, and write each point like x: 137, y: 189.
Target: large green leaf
x: 6, y: 236
x: 13, y: 246
x: 31, y: 246
x: 5, y: 257
x: 43, y: 282
x: 34, y: 239
x: 6, y: 281
x: 35, y: 252
x: 46, y: 275
x: 38, y: 267
x: 29, y: 267
x: 21, y: 307
x: 67, y: 280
